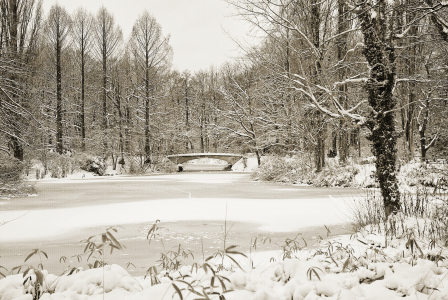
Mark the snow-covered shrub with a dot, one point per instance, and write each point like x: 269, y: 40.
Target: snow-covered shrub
x: 334, y: 175
x: 135, y: 166
x: 161, y: 164
x: 59, y: 165
x: 11, y: 177
x: 93, y: 164
x: 298, y: 170
x: 422, y: 213
x: 281, y: 169
x: 419, y: 174
x: 10, y: 170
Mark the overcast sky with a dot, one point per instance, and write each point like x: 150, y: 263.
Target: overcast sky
x: 197, y: 27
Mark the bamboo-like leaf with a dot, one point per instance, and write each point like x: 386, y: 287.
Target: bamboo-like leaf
x: 328, y: 230
x: 31, y: 254
x: 63, y: 258
x: 18, y: 268
x: 224, y: 278
x: 196, y: 293
x: 230, y: 247
x: 72, y: 270
x: 313, y: 270
x: 362, y: 242
x: 86, y: 248
x: 188, y: 284
x: 2, y: 274
x: 306, y: 244
x: 195, y: 265
x: 207, y: 266
x: 232, y: 259
x: 96, y: 264
x: 237, y: 253
x: 44, y: 254
x: 40, y: 277
x: 345, y: 264
x: 104, y: 237
x: 114, y: 240
x: 26, y: 272
x: 26, y: 279
x: 223, y: 286
x: 178, y: 291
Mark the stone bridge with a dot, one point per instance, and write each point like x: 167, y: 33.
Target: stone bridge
x: 228, y: 157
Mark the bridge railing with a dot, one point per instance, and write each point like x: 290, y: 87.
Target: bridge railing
x: 219, y: 150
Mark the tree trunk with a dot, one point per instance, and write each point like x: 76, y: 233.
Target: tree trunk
x: 343, y: 144
x: 257, y: 152
x: 59, y: 145
x: 410, y: 124
x: 104, y: 94
x: 341, y: 51
x: 319, y: 150
x: 16, y: 148
x: 16, y: 145
x: 83, y: 102
x: 334, y: 144
x: 380, y: 56
x: 147, y: 106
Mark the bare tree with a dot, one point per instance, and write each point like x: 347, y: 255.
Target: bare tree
x: 19, y: 31
x: 82, y: 25
x: 152, y: 53
x: 58, y: 26
x: 108, y: 37
x: 377, y: 31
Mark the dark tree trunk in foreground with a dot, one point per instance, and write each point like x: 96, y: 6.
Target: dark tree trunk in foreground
x: 379, y: 53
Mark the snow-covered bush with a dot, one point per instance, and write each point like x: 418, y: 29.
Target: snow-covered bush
x: 422, y: 213
x: 135, y: 165
x: 419, y: 174
x: 10, y: 170
x: 298, y: 170
x: 11, y: 177
x: 93, y: 164
x: 334, y: 175
x: 60, y: 166
x: 282, y: 169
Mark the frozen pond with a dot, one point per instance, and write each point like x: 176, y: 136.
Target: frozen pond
x: 69, y: 210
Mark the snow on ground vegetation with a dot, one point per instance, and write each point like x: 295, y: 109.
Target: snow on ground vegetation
x: 405, y: 257
x: 299, y: 170
x: 353, y: 267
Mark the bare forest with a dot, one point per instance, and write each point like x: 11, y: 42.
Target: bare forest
x: 334, y: 78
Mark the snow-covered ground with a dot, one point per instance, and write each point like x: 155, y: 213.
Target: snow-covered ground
x: 347, y: 268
